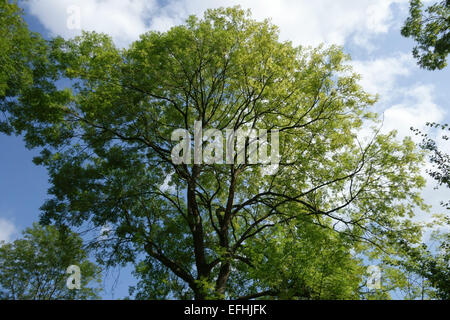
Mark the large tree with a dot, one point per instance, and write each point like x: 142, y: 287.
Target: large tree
x: 34, y: 267
x: 219, y: 230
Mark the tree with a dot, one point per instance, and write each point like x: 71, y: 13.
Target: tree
x: 34, y: 267
x: 437, y: 267
x: 439, y: 159
x: 434, y: 267
x: 209, y: 230
x: 431, y: 32
x: 23, y: 57
x: 422, y: 272
x: 307, y: 262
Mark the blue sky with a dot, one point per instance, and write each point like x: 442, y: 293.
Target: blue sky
x: 369, y: 30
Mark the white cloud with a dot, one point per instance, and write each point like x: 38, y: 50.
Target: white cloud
x: 165, y: 187
x: 301, y: 21
x: 105, y: 232
x: 442, y: 144
x: 403, y: 106
x: 380, y: 76
x: 123, y: 20
x: 7, y: 230
x: 417, y: 108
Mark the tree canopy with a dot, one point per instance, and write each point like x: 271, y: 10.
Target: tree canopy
x: 23, y: 57
x: 430, y: 28
x: 34, y: 267
x: 219, y: 230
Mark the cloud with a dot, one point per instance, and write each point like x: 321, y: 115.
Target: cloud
x: 303, y: 22
x: 442, y: 144
x: 105, y: 232
x: 417, y: 108
x: 7, y: 230
x: 380, y: 76
x: 403, y: 105
x: 307, y: 22
x: 123, y: 20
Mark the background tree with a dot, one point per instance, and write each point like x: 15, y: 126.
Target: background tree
x: 432, y: 266
x: 23, y: 57
x: 431, y: 30
x: 422, y: 272
x: 219, y: 231
x: 438, y: 158
x: 34, y: 267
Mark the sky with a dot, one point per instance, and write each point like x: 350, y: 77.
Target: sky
x: 368, y: 30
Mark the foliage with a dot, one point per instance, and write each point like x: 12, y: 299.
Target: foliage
x: 438, y: 158
x: 430, y: 29
x: 23, y: 58
x: 422, y: 272
x: 219, y: 231
x: 34, y: 267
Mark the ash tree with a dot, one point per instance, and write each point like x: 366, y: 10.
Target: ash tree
x: 219, y: 230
